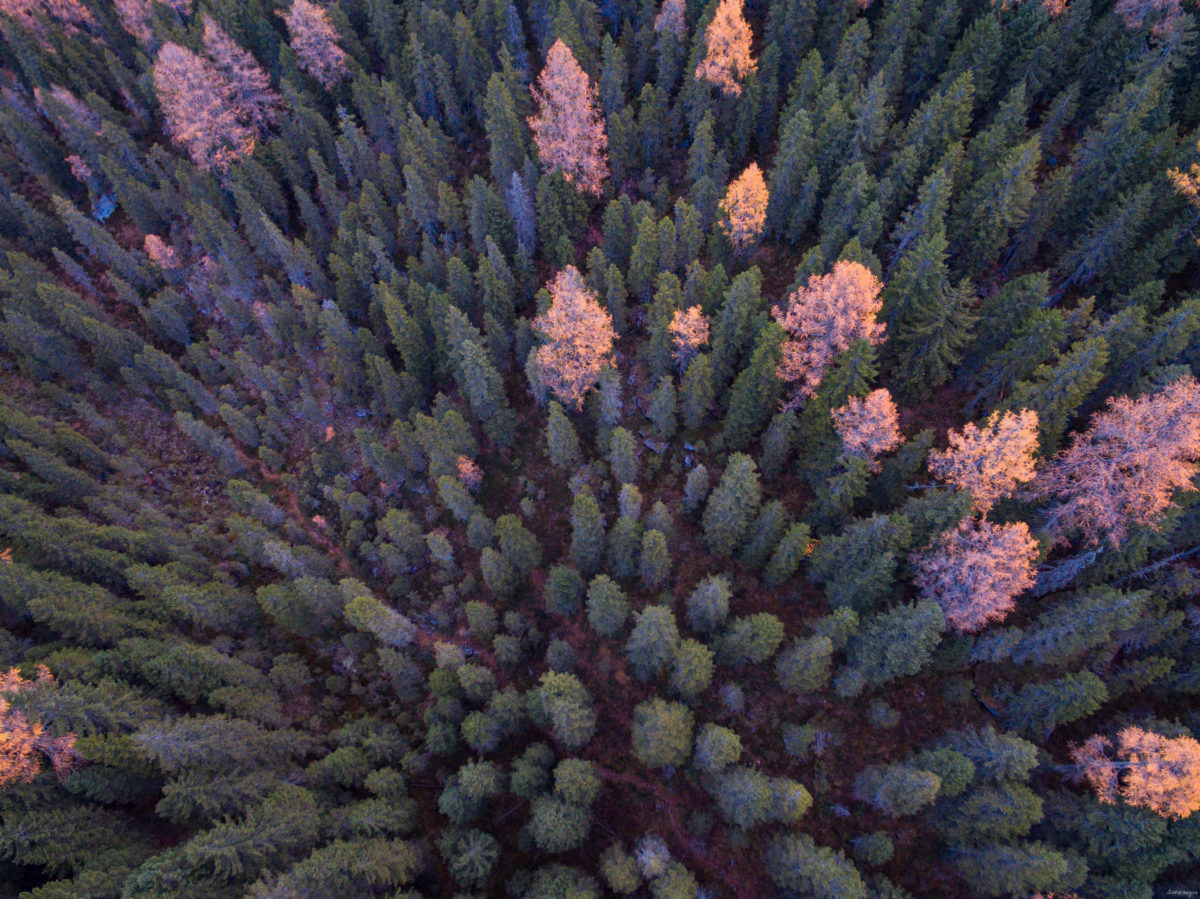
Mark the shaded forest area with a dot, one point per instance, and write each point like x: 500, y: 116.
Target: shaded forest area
x: 698, y: 449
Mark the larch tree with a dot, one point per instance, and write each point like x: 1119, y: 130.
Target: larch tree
x: 689, y: 332
x: 568, y: 128
x: 71, y: 14
x: 976, y: 571
x: 989, y: 462
x: 136, y: 15
x: 201, y: 110
x: 869, y: 426
x: 823, y: 319
x: 1123, y: 470
x: 23, y: 742
x: 579, y: 334
x: 727, y: 60
x: 670, y: 18
x: 1148, y: 770
x: 251, y: 86
x: 1163, y: 15
x: 744, y: 208
x: 315, y: 41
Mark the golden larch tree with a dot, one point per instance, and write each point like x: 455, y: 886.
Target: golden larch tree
x: 976, y: 571
x: 23, y: 742
x: 989, y: 462
x: 315, y: 41
x: 200, y: 107
x: 822, y: 319
x: 727, y: 60
x: 579, y: 335
x: 689, y: 332
x: 1123, y: 470
x: 568, y: 128
x: 1148, y: 770
x: 744, y: 208
x: 869, y: 426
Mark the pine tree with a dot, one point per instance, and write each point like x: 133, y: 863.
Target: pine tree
x: 897, y: 789
x: 794, y: 862
x: 587, y: 533
x: 732, y: 505
x: 562, y: 443
x: 662, y: 409
x: 502, y: 124
x: 654, y: 564
x: 696, y: 392
x: 622, y: 456
x: 662, y: 733
x: 651, y: 645
x: 755, y: 392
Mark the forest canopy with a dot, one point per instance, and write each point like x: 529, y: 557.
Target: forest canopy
x: 708, y: 448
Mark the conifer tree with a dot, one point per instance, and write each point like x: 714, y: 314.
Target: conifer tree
x: 823, y: 319
x: 992, y: 461
x: 976, y: 572
x: 587, y: 533
x: 732, y: 505
x: 562, y: 443
x: 315, y: 41
x: 727, y: 60
x: 744, y: 208
x: 1125, y: 468
x: 199, y: 103
x: 868, y: 426
x: 568, y: 130
x: 580, y: 337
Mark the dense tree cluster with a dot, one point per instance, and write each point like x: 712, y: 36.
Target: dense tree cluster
x: 677, y: 449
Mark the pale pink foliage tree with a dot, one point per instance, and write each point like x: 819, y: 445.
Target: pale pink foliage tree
x: 869, y: 426
x: 976, y: 571
x: 689, y: 332
x: 989, y: 462
x: 470, y: 474
x: 1123, y: 470
x: 71, y: 14
x: 670, y: 18
x: 1165, y: 14
x: 568, y: 129
x: 744, y: 208
x: 822, y: 319
x: 1147, y: 770
x: 579, y: 335
x: 161, y: 253
x: 315, y: 41
x: 727, y: 60
x: 251, y: 86
x: 200, y: 107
